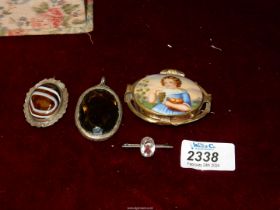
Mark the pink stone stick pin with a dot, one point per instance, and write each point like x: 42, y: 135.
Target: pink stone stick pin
x: 147, y: 146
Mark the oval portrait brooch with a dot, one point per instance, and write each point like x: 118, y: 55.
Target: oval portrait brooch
x: 168, y: 98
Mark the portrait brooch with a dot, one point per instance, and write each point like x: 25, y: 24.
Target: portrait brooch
x: 168, y: 98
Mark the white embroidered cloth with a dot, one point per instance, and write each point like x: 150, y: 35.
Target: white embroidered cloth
x: 31, y: 17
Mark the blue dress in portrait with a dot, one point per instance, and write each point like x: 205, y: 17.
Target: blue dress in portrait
x: 175, y: 94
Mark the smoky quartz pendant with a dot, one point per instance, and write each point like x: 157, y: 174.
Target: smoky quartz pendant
x: 98, y: 112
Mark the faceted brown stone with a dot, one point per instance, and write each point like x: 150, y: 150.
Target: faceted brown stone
x: 99, y: 112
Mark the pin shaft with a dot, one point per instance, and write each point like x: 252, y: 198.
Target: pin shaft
x: 163, y: 146
x: 160, y: 146
x: 131, y: 145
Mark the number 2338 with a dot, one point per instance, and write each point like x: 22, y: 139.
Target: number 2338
x: 203, y: 156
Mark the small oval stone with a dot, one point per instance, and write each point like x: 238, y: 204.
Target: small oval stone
x: 44, y: 101
x: 147, y: 147
x: 98, y: 112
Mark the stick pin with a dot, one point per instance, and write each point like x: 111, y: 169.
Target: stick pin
x: 147, y: 146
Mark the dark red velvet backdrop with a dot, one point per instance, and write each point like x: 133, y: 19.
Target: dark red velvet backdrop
x: 56, y: 168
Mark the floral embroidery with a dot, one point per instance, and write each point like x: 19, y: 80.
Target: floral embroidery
x: 27, y: 17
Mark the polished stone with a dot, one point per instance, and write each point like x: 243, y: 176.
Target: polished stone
x: 44, y: 101
x: 147, y: 147
x: 98, y: 111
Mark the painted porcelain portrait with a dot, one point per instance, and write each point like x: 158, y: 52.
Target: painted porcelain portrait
x: 168, y: 98
x: 168, y: 95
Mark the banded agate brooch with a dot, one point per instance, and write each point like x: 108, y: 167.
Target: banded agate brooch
x: 45, y: 103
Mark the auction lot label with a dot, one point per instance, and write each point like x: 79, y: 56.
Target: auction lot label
x: 207, y: 155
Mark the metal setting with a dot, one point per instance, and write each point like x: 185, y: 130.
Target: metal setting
x: 45, y: 103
